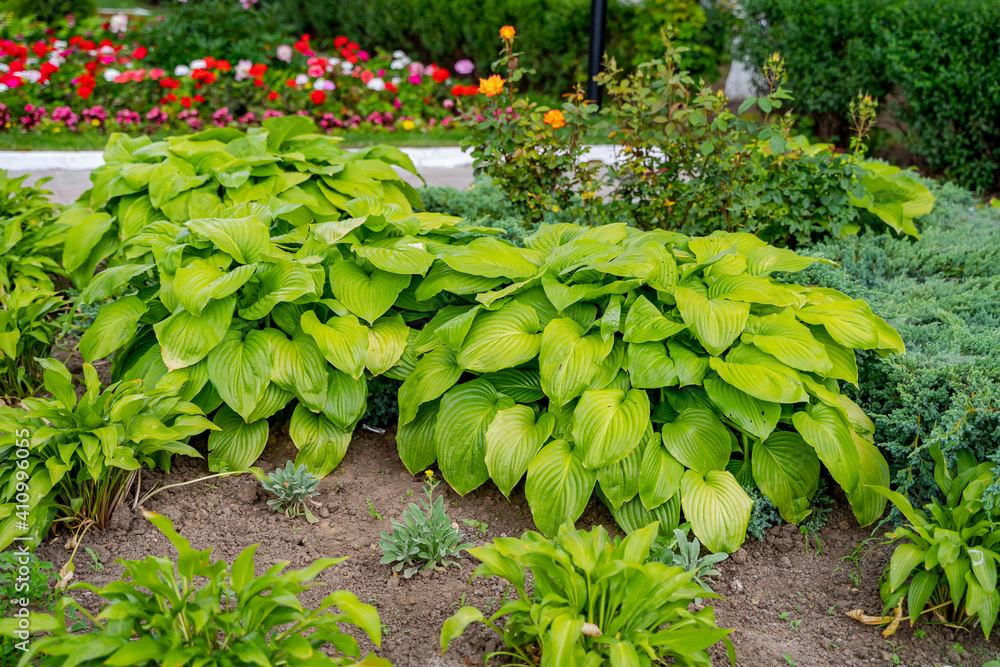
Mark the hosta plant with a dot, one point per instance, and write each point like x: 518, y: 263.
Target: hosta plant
x: 292, y: 485
x: 210, y: 614
x: 29, y: 323
x: 595, y: 601
x: 946, y: 569
x: 83, y: 454
x: 29, y: 238
x: 687, y: 555
x: 302, y: 175
x: 424, y: 540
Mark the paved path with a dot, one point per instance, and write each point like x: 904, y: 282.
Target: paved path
x: 70, y: 170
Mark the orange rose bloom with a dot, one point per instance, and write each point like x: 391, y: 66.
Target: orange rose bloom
x: 491, y: 86
x: 555, y: 118
x: 508, y: 32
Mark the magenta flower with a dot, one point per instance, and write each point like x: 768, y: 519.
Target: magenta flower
x: 465, y: 66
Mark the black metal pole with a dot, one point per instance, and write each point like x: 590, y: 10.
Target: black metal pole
x: 598, y: 25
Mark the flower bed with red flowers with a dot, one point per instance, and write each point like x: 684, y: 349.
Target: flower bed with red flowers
x: 86, y: 84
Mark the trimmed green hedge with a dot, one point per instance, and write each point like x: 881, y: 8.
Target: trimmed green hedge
x: 938, y: 60
x: 942, y: 293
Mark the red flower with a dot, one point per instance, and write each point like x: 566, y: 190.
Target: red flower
x: 84, y: 93
x: 317, y: 97
x: 90, y: 67
x: 209, y: 62
x: 40, y: 49
x: 223, y: 66
x: 75, y: 39
x: 87, y: 45
x: 301, y: 46
x: 272, y: 96
x: 186, y: 102
x: 258, y: 70
x: 290, y: 83
x: 339, y: 42
x: 140, y: 52
x: 47, y: 69
x: 16, y: 66
x: 391, y: 87
x: 199, y: 99
x: 171, y: 98
x: 167, y: 82
x: 258, y: 82
x: 440, y: 74
x: 106, y: 42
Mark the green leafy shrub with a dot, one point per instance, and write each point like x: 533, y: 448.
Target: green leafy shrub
x: 424, y: 540
x: 684, y: 161
x: 51, y: 11
x: 955, y: 542
x: 28, y: 328
x: 292, y: 486
x: 940, y: 292
x: 485, y: 204
x: 20, y: 589
x: 595, y: 601
x: 29, y: 237
x: 196, y: 28
x: 687, y: 556
x: 83, y: 453
x: 925, y: 52
x: 160, y: 613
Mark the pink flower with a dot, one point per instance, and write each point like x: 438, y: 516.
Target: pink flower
x: 156, y: 73
x: 366, y: 76
x: 363, y: 56
x: 284, y: 53
x: 272, y: 113
x: 316, y: 71
x: 415, y: 79
x: 396, y: 103
x: 465, y: 66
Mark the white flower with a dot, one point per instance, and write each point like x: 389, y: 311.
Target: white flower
x: 334, y: 61
x: 30, y: 75
x: 3, y: 88
x: 319, y: 84
x: 399, y: 53
x: 111, y: 74
x: 243, y: 70
x: 396, y: 80
x: 107, y: 50
x: 182, y: 70
x: 347, y: 67
x: 118, y: 23
x: 60, y: 44
x: 400, y: 63
x: 376, y: 84
x: 301, y: 79
x: 56, y: 59
x: 284, y: 53
x: 198, y: 64
x: 4, y: 67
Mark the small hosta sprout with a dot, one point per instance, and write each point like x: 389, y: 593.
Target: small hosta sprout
x: 292, y: 486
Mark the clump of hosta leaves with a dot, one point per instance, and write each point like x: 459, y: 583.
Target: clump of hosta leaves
x: 29, y: 239
x: 946, y: 569
x: 425, y: 539
x: 595, y: 601
x: 29, y: 323
x: 678, y: 551
x: 292, y: 485
x: 84, y: 453
x: 213, y: 614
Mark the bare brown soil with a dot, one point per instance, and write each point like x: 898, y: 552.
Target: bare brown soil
x: 762, y: 582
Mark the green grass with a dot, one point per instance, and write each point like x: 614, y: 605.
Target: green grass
x: 92, y: 141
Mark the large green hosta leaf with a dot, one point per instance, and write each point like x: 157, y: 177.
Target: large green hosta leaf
x: 115, y: 324
x: 366, y: 295
x: 786, y: 470
x: 386, y: 342
x: 645, y: 323
x: 829, y: 433
x: 240, y: 369
x: 342, y: 340
x: 321, y: 443
x: 500, y: 339
x: 649, y: 366
x: 406, y: 255
x: 608, y: 424
x: 460, y: 434
x: 346, y: 400
x: 299, y: 367
x: 697, y: 439
x: 204, y: 279
x: 279, y: 282
x: 415, y: 439
x: 569, y: 360
x: 773, y: 383
x: 236, y: 445
x: 716, y: 323
x: 435, y: 373
x: 659, y: 473
x: 186, y: 339
x: 788, y: 341
x: 512, y: 440
x: 849, y: 322
x: 491, y: 258
x: 619, y: 482
x: 749, y: 413
x: 558, y: 486
x: 717, y: 507
x: 866, y: 503
x: 246, y: 239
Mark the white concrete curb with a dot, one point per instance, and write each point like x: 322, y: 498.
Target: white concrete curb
x: 444, y: 157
